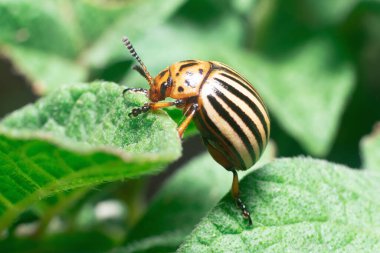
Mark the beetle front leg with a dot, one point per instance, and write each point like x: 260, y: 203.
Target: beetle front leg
x: 154, y: 106
x: 136, y: 90
x: 138, y: 110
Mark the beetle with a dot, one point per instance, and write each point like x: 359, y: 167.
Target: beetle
x: 228, y: 111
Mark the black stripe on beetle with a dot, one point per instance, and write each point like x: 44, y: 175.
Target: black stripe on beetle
x: 244, y: 84
x: 225, y: 115
x: 244, y: 118
x: 206, y: 120
x: 246, y: 100
x: 187, y: 65
x: 232, y: 72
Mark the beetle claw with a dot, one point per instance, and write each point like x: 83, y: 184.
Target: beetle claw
x: 139, y: 110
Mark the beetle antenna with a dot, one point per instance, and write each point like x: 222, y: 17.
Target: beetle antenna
x: 143, y: 70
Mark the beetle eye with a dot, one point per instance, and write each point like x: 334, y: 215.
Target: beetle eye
x: 163, y: 88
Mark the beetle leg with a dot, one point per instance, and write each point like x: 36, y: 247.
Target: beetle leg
x: 138, y: 110
x: 190, y: 115
x: 154, y: 106
x: 140, y: 90
x: 239, y: 202
x: 158, y: 105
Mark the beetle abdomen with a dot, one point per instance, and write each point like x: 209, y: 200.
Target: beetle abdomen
x: 233, y: 120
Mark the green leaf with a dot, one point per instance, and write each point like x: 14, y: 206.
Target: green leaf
x: 54, y: 43
x: 54, y: 205
x: 330, y: 12
x: 370, y: 149
x: 79, y: 136
x: 44, y: 71
x: 93, y: 18
x: 40, y: 25
x: 280, y: 27
x: 181, y: 204
x: 40, y: 41
x: 297, y: 205
x: 142, y: 15
x: 76, y: 241
x: 244, y: 6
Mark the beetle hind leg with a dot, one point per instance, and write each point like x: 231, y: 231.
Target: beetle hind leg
x: 236, y: 195
x: 189, y: 116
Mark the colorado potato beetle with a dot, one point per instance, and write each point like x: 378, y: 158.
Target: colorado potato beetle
x: 227, y: 110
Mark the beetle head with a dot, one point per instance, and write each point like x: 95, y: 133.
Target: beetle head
x: 161, y: 87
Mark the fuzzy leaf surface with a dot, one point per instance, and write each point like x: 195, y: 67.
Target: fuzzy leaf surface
x: 79, y: 136
x: 297, y: 205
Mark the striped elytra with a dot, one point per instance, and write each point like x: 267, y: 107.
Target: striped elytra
x: 232, y: 119
x: 228, y: 111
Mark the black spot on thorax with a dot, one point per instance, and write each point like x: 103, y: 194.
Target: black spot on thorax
x: 187, y: 65
x: 163, y: 73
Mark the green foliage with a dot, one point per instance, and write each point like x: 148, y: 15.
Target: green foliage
x: 163, y: 228
x: 69, y: 242
x: 78, y: 136
x: 298, y: 204
x: 315, y: 63
x: 209, y: 181
x: 61, y: 41
x: 370, y: 149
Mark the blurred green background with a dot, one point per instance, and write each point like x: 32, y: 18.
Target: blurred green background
x: 316, y: 63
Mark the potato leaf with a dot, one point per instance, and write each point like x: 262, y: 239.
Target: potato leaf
x: 297, y: 205
x: 80, y: 135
